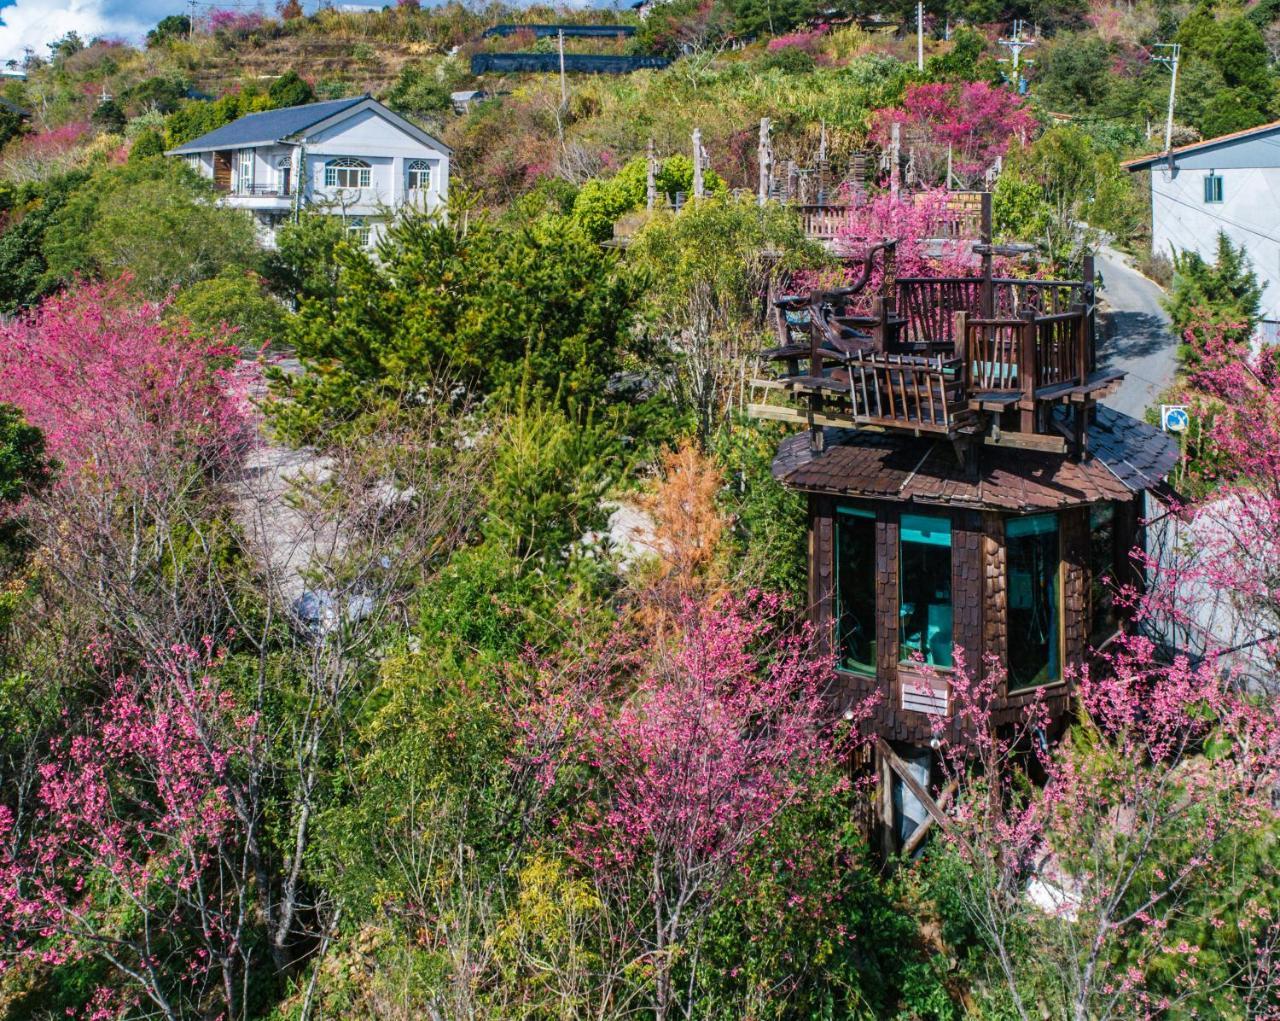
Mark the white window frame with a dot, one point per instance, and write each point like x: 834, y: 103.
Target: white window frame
x: 359, y: 230
x: 424, y: 171
x: 244, y: 171
x: 348, y: 172
x: 284, y: 174
x: 1213, y: 188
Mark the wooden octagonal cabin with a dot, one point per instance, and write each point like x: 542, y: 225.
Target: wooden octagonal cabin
x: 966, y: 491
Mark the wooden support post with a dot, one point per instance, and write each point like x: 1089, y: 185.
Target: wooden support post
x: 1027, y: 371
x: 988, y: 288
x: 913, y: 785
x: 880, y: 332
x: 651, y: 181
x: 766, y: 162
x: 895, y: 158
x: 816, y: 406
x: 961, y: 331
x: 697, y: 163
x: 887, y: 836
x: 823, y: 169
x: 922, y: 831
x: 1081, y: 367
x: 1090, y: 277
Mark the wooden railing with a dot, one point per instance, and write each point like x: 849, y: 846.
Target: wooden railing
x: 992, y: 348
x: 921, y: 393
x: 822, y: 223
x: 1060, y: 348
x: 927, y: 306
x: 1024, y: 353
x: 964, y: 216
x: 1013, y: 297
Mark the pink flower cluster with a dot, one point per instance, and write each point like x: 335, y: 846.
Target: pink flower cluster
x: 235, y: 22
x: 806, y: 40
x: 975, y: 120
x: 134, y: 807
x: 118, y: 389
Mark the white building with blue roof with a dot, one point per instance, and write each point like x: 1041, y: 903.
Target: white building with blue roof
x: 1230, y: 184
x: 353, y: 157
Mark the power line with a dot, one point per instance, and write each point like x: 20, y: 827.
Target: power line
x: 1216, y: 216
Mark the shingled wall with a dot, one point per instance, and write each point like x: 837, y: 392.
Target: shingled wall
x: 979, y: 602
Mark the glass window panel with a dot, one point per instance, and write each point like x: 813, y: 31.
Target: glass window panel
x: 924, y: 570
x: 856, y: 589
x: 1032, y: 554
x: 419, y: 175
x: 1103, y: 617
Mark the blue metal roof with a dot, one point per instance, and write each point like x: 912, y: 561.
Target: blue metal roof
x: 268, y: 126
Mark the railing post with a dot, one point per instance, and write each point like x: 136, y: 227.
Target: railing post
x: 880, y: 332
x: 1082, y: 348
x: 815, y: 369
x: 1027, y: 372
x: 988, y: 269
x: 962, y: 351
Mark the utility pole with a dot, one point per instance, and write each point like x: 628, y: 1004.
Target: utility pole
x: 1170, y: 60
x: 564, y: 84
x: 1015, y: 43
x: 191, y: 20
x: 919, y: 35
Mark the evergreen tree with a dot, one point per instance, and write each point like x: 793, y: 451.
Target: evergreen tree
x: 1225, y: 291
x: 109, y: 117
x: 290, y: 90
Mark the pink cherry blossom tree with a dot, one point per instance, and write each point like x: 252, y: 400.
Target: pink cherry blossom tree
x: 1084, y: 888
x: 133, y: 856
x: 920, y: 222
x: 682, y: 757
x: 974, y: 122
x: 45, y: 154
x: 1213, y: 565
x: 117, y: 387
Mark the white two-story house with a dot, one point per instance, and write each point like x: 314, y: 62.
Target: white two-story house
x: 353, y: 157
x: 1229, y: 184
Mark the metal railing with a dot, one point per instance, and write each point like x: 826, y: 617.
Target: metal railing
x: 262, y: 191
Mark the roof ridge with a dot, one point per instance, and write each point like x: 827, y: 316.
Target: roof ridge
x: 1230, y: 136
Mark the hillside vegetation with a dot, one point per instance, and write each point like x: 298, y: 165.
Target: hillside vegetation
x: 419, y: 631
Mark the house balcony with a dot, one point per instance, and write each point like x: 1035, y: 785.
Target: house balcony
x: 258, y: 196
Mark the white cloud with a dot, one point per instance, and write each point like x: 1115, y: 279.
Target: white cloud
x: 36, y: 23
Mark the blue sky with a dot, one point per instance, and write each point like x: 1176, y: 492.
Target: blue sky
x: 35, y: 23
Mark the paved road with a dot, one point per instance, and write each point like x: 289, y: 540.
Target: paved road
x: 1141, y: 342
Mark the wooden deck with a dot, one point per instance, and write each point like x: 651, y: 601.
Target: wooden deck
x: 945, y: 356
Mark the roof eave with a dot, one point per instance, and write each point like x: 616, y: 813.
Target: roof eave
x: 189, y: 149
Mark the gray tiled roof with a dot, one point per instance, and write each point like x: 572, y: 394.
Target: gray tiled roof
x: 1139, y: 455
x: 269, y: 126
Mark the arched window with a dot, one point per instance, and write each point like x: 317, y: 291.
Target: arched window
x: 358, y: 231
x: 284, y: 174
x: 346, y: 172
x: 419, y: 172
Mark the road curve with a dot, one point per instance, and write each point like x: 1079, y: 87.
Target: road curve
x: 1140, y: 342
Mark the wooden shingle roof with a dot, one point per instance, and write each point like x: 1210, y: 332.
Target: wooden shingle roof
x: 1130, y: 456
